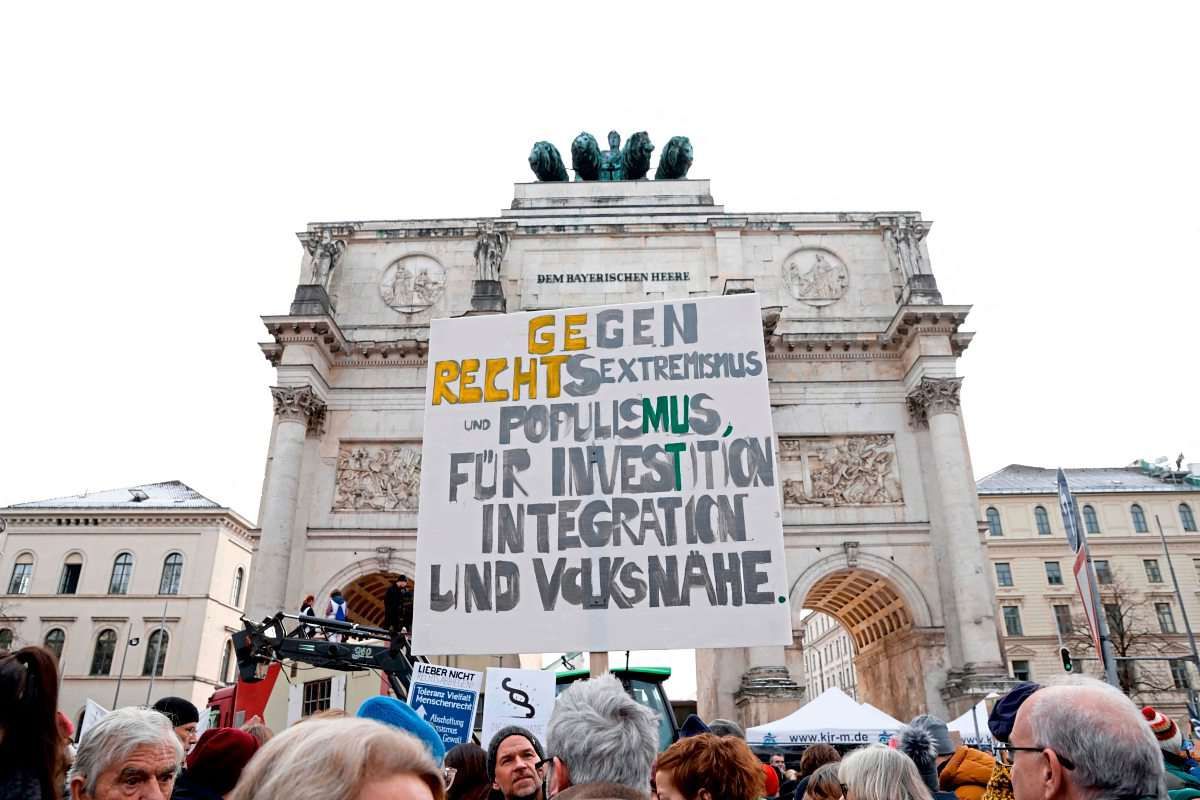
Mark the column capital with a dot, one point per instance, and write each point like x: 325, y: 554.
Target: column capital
x: 298, y: 404
x: 933, y: 396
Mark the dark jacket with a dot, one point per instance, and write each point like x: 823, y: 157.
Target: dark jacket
x: 20, y: 784
x: 1180, y: 783
x: 187, y: 788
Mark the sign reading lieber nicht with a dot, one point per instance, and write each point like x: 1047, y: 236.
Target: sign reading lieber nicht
x: 600, y: 479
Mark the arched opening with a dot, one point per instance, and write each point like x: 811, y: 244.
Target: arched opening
x: 871, y: 636
x: 364, y: 597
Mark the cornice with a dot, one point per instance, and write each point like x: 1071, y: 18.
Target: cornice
x: 324, y: 333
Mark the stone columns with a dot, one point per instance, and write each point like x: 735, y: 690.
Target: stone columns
x: 767, y: 692
x: 935, y: 404
x: 297, y: 409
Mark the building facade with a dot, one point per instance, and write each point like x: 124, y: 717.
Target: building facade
x: 134, y: 586
x: 828, y: 656
x: 879, y: 506
x: 1040, y: 610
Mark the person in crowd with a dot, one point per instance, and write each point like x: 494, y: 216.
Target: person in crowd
x: 307, y: 610
x: 693, y: 726
x: 1000, y: 723
x: 398, y: 605
x: 770, y: 779
x: 916, y: 743
x: 823, y: 783
x: 811, y: 759
x: 471, y: 782
x: 1181, y: 783
x: 1082, y: 739
x: 215, y: 764
x: 878, y: 772
x: 184, y: 717
x: 778, y: 761
x: 391, y: 711
x: 514, y: 764
x: 258, y: 729
x: 351, y: 758
x: 601, y: 742
x: 32, y: 746
x: 708, y: 767
x: 725, y: 727
x: 961, y: 769
x: 131, y: 752
x: 337, y: 608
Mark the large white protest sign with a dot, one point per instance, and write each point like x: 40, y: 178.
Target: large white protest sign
x: 600, y: 479
x: 523, y: 697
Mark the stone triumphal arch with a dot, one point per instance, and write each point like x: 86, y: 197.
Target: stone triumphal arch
x: 878, y: 496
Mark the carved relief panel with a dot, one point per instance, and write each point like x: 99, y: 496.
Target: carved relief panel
x: 377, y: 477
x: 815, y: 275
x: 829, y: 471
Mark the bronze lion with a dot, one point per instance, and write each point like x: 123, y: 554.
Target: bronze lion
x: 585, y: 157
x: 676, y: 159
x: 636, y: 155
x: 546, y: 162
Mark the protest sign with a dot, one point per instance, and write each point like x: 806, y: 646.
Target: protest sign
x: 600, y: 479
x: 93, y: 712
x: 446, y: 697
x: 523, y: 697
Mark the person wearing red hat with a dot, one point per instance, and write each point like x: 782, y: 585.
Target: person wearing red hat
x: 215, y: 764
x: 1181, y: 784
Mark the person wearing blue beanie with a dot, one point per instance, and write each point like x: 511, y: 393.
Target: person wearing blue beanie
x: 391, y: 711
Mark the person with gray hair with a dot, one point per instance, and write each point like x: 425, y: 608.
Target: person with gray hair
x: 878, y: 772
x: 601, y: 743
x: 1082, y: 739
x: 132, y: 752
x: 725, y: 727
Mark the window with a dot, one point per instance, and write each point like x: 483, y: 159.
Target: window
x: 317, y: 696
x: 172, y: 574
x: 1166, y: 619
x: 1020, y: 671
x: 6, y: 637
x: 122, y: 571
x: 54, y: 642
x: 1179, y: 675
x: 68, y: 582
x: 226, y: 661
x: 1153, y: 574
x: 102, y: 656
x: 1043, y: 521
x: 1090, y: 521
x: 1139, y: 519
x: 1012, y: 621
x: 1115, y: 619
x: 1003, y: 574
x: 1186, y: 517
x: 156, y: 652
x: 22, y: 574
x: 238, y: 578
x: 1103, y: 573
x: 993, y: 518
x: 1053, y: 573
x: 1062, y: 618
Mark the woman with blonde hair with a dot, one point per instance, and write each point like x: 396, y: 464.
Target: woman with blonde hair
x: 356, y: 759
x: 881, y: 773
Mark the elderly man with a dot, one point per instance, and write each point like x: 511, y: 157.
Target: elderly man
x: 601, y: 743
x: 1082, y: 740
x: 514, y: 760
x: 131, y: 753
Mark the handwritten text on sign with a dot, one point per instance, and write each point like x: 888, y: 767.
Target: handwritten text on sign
x: 600, y: 478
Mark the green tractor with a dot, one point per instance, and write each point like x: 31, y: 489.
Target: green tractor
x: 645, y: 685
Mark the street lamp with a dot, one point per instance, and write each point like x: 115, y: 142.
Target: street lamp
x: 132, y: 641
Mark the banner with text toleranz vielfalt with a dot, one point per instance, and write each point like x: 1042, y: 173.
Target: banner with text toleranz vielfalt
x: 600, y: 478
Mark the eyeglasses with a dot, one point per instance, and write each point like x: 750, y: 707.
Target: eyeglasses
x: 545, y: 762
x: 448, y: 774
x: 1005, y: 753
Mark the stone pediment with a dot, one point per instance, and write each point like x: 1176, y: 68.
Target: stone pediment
x: 1020, y: 651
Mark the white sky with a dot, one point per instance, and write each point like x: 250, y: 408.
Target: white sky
x: 156, y: 159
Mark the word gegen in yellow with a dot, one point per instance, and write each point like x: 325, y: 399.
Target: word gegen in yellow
x: 471, y: 380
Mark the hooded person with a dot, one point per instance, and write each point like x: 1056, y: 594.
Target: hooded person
x: 917, y: 744
x: 962, y: 770
x: 1181, y: 784
x: 215, y: 764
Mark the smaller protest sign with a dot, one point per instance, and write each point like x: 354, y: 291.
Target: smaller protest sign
x: 446, y: 698
x: 523, y: 697
x: 93, y: 712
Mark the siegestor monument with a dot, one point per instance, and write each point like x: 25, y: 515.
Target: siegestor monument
x: 879, y: 510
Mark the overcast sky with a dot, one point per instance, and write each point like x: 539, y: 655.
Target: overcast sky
x: 157, y: 162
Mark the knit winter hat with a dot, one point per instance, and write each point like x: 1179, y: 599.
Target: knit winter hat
x: 218, y: 758
x: 771, y: 779
x: 938, y: 731
x: 1004, y: 713
x: 1165, y: 730
x: 391, y: 711
x: 498, y: 739
x: 916, y: 743
x: 693, y: 726
x: 178, y: 710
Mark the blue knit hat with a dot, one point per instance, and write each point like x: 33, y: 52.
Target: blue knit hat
x: 391, y: 711
x: 693, y: 726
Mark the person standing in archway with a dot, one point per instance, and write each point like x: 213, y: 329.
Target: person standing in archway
x: 337, y: 608
x: 398, y: 605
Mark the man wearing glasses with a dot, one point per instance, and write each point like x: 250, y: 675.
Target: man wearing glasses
x: 1082, y: 741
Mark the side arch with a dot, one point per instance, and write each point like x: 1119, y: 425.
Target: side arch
x: 842, y: 562
x: 363, y: 583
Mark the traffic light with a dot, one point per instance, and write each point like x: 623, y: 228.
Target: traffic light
x: 1068, y: 665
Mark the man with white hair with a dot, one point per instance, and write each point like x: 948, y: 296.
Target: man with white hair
x: 131, y: 753
x: 1082, y: 740
x: 601, y: 743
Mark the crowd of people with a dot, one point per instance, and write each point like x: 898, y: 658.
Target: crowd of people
x: 1079, y: 740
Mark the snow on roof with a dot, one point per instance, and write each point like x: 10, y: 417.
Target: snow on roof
x: 170, y: 494
x: 1023, y: 479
